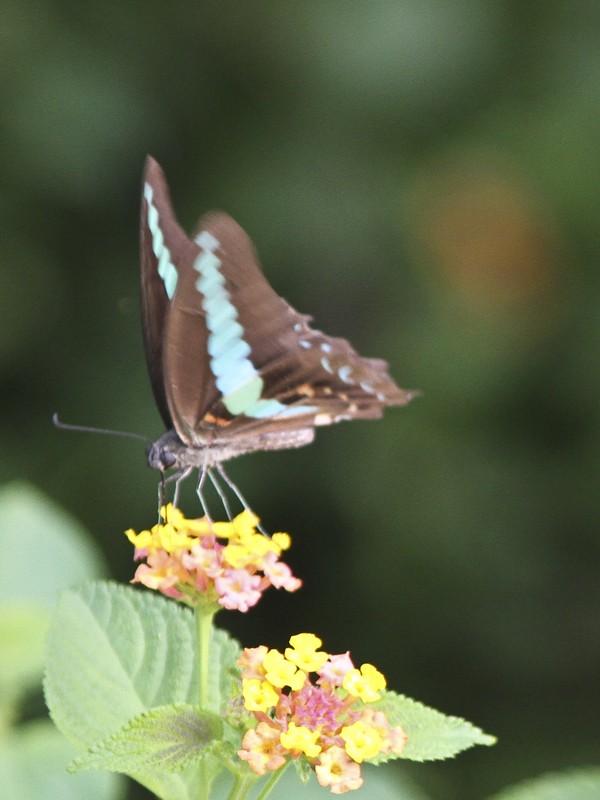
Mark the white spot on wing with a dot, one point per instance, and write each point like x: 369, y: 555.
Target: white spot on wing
x: 344, y: 374
x: 228, y: 349
x: 165, y: 267
x: 207, y: 241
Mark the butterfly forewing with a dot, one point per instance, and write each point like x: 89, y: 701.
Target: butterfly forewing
x: 163, y: 246
x: 175, y: 333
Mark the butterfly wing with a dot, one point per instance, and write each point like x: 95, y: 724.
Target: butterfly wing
x: 227, y: 356
x: 163, y: 244
x: 175, y: 334
x: 286, y: 375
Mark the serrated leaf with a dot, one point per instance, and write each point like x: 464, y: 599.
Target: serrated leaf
x: 167, y: 738
x: 578, y: 784
x: 431, y: 735
x: 114, y: 653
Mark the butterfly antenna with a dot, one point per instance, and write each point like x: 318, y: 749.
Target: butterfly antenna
x: 64, y: 426
x: 239, y: 496
x: 221, y: 493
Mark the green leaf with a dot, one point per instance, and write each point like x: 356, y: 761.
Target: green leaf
x: 431, y: 734
x: 47, y: 550
x: 166, y: 738
x: 578, y: 784
x: 32, y: 766
x: 22, y: 631
x: 113, y: 654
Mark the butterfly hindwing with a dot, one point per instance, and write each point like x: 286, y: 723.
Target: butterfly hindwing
x: 305, y: 377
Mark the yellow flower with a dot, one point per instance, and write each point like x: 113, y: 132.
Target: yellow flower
x: 304, y: 654
x: 258, y: 695
x: 173, y: 516
x: 160, y: 537
x: 171, y: 540
x: 299, y: 737
x: 282, y: 540
x: 366, y: 683
x: 188, y: 553
x: 280, y: 672
x: 237, y: 556
x: 141, y: 540
x: 362, y: 741
x: 242, y: 526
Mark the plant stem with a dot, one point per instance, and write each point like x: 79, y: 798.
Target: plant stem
x: 203, y: 636
x: 275, y: 776
x: 240, y: 788
x: 204, y: 620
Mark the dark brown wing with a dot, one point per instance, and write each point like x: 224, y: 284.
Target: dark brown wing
x: 225, y: 353
x: 162, y: 245
x: 301, y: 368
x: 175, y: 335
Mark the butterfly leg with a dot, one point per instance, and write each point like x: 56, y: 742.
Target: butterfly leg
x: 178, y: 481
x: 178, y: 478
x: 221, y: 493
x: 239, y: 495
x: 200, y: 492
x: 162, y: 492
x: 161, y: 495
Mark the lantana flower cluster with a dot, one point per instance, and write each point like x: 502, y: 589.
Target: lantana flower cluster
x: 200, y: 561
x: 326, y: 720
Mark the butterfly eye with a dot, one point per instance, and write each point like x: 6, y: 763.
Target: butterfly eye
x: 159, y: 458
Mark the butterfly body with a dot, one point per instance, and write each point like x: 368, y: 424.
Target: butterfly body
x: 206, y: 452
x: 234, y: 368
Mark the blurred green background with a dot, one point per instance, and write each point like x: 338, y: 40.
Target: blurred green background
x: 422, y: 178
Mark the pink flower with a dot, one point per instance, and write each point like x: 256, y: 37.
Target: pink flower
x: 237, y: 589
x: 161, y: 572
x: 336, y: 770
x: 203, y: 557
x: 334, y: 669
x: 279, y: 574
x: 251, y: 662
x: 315, y: 707
x: 261, y: 748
